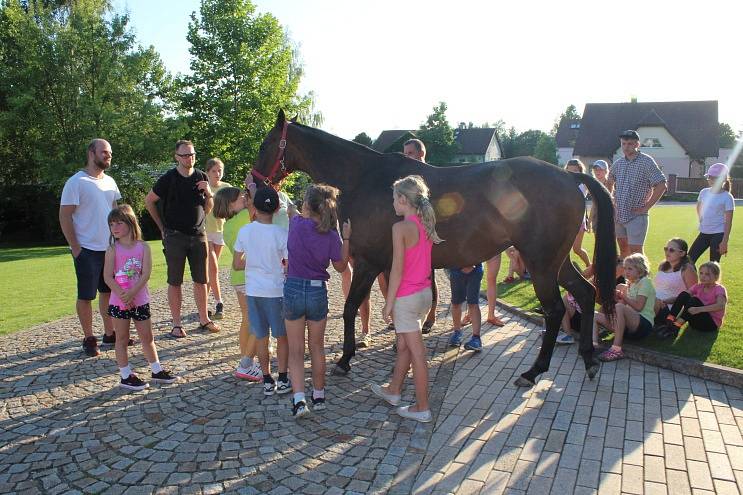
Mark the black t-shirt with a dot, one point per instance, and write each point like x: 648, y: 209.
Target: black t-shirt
x: 182, y: 203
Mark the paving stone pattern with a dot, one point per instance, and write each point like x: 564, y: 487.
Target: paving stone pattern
x: 65, y: 427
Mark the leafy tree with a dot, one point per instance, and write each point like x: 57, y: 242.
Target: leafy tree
x: 727, y: 136
x: 72, y: 71
x: 438, y: 136
x: 244, y: 69
x: 546, y: 149
x: 363, y: 138
x: 570, y: 113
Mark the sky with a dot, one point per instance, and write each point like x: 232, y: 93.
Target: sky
x: 385, y: 64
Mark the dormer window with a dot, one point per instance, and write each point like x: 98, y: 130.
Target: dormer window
x: 575, y: 125
x: 651, y: 143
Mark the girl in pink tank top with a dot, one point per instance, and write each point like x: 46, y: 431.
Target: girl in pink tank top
x: 409, y: 292
x: 126, y: 271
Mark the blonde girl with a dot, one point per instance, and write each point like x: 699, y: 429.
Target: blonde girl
x: 576, y: 166
x: 127, y: 268
x: 236, y: 207
x: 634, y: 309
x: 704, y: 305
x: 409, y: 294
x: 215, y: 236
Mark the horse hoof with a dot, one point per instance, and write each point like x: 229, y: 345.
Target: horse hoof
x: 523, y: 382
x: 339, y: 370
x: 592, y: 371
x: 427, y: 326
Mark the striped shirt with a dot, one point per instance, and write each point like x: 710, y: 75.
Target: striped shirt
x: 633, y: 180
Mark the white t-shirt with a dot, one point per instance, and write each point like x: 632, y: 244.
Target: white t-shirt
x: 93, y: 199
x: 281, y: 217
x: 712, y: 208
x: 264, y: 247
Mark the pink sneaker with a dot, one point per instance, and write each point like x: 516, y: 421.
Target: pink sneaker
x: 252, y: 374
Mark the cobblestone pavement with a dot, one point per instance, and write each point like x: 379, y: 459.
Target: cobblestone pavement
x: 65, y: 427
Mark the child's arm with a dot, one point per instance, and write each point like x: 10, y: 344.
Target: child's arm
x: 398, y: 257
x: 238, y: 260
x: 723, y: 247
x: 719, y: 305
x: 108, y: 271
x: 341, y: 265
x: 636, y: 303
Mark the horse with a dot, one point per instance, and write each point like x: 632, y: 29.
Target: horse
x: 481, y: 210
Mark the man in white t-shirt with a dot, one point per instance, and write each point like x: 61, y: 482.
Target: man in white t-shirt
x: 87, y: 198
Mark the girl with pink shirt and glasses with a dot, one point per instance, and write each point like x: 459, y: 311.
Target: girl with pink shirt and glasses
x: 409, y: 294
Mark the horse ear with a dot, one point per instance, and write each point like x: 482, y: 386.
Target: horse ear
x: 280, y: 118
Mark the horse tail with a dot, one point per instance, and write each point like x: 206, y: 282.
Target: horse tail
x: 605, y: 250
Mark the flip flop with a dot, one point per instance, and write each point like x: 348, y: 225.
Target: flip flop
x: 180, y: 335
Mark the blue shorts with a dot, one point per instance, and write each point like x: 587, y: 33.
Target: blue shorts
x: 265, y: 312
x: 89, y: 273
x: 465, y: 286
x: 305, y: 298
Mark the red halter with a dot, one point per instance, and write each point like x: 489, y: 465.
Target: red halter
x: 279, y: 163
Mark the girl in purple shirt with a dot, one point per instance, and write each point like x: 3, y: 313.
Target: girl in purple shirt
x: 313, y: 244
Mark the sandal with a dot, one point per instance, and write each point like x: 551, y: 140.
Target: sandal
x: 179, y: 334
x: 209, y: 325
x: 466, y: 320
x: 508, y: 280
x: 611, y: 354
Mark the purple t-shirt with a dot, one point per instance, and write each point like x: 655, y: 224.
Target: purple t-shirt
x: 310, y: 251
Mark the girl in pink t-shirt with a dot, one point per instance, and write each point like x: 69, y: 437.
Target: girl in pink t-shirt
x: 409, y: 292
x: 703, y: 306
x: 127, y: 268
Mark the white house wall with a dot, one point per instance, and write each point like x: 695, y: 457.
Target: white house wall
x: 563, y: 155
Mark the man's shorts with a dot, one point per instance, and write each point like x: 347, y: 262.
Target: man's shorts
x: 465, y: 286
x: 305, y: 298
x: 265, y: 312
x: 634, y: 231
x: 89, y: 273
x: 177, y: 248
x: 409, y: 312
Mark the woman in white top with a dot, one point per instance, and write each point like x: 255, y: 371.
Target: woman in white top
x: 715, y: 207
x: 675, y: 275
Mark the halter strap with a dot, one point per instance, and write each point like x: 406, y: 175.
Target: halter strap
x: 279, y: 163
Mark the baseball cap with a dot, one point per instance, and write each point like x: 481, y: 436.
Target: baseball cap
x: 266, y: 200
x: 601, y: 164
x: 717, y: 170
x: 630, y: 134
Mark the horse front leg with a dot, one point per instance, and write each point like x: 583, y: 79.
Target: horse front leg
x: 431, y: 318
x: 548, y: 293
x: 361, y: 283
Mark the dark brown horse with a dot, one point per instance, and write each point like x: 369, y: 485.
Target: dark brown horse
x: 481, y: 210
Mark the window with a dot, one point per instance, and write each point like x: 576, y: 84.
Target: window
x: 575, y: 125
x: 651, y: 143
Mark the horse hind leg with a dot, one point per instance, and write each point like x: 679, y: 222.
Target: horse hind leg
x: 431, y: 317
x: 585, y: 295
x: 548, y: 293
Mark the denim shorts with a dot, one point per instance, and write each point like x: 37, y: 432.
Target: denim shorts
x: 265, y: 312
x: 305, y: 298
x: 465, y: 286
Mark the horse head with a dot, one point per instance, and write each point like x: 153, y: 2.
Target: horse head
x: 272, y: 165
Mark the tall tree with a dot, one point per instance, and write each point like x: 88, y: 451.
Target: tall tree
x: 570, y: 113
x: 546, y: 149
x: 244, y: 69
x: 363, y: 138
x: 438, y: 137
x: 727, y: 135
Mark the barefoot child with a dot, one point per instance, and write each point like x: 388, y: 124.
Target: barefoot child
x: 313, y: 244
x: 260, y: 250
x: 127, y: 268
x: 409, y: 292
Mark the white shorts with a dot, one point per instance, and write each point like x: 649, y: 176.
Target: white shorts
x: 409, y: 312
x: 239, y: 290
x: 215, y: 238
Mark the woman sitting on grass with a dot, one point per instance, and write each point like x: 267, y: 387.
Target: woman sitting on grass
x: 675, y: 275
x: 635, y: 309
x: 703, y: 306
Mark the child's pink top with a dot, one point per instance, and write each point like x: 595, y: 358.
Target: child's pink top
x: 709, y: 296
x: 127, y: 270
x: 416, y: 268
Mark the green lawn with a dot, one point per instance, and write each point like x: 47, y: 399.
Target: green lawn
x: 39, y: 283
x: 667, y: 222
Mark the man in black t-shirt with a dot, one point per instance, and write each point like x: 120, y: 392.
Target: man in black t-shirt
x: 185, y: 198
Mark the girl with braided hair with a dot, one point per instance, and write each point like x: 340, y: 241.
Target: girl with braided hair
x: 409, y: 294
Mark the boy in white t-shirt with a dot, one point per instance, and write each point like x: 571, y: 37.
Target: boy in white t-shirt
x: 260, y: 250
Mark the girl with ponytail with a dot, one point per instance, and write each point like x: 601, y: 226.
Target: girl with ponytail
x: 409, y: 294
x: 313, y: 244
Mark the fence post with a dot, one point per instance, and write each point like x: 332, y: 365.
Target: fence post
x: 671, y: 184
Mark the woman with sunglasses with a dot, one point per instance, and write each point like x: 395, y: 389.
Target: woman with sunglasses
x: 675, y: 275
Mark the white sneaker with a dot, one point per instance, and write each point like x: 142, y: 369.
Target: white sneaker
x: 564, y: 338
x: 252, y: 374
x: 283, y: 387
x: 269, y: 388
x: 391, y: 399
x: 421, y: 416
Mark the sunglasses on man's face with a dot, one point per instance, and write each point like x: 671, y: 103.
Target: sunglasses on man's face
x: 186, y: 155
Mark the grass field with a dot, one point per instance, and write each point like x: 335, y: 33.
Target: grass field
x: 39, y: 286
x: 667, y: 222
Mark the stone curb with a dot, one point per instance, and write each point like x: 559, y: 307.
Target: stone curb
x: 692, y: 367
